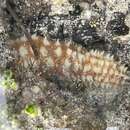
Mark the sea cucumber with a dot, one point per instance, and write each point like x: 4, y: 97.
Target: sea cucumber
x: 71, y: 60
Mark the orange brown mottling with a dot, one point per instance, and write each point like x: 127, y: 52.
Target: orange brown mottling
x: 72, y: 61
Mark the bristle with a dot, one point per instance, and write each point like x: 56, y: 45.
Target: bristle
x: 46, y: 42
x: 68, y: 43
x: 108, y: 56
x: 34, y: 37
x: 67, y: 64
x: 74, y: 55
x: 79, y: 49
x: 92, y: 52
x: 69, y: 51
x: 58, y: 51
x: 50, y: 61
x: 80, y: 57
x: 102, y: 53
x: 57, y: 43
x: 43, y: 51
x: 98, y: 54
x: 93, y: 66
x: 112, y: 57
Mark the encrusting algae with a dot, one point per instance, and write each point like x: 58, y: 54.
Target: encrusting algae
x: 71, y: 61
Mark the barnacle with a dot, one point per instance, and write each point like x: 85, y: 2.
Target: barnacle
x: 71, y: 60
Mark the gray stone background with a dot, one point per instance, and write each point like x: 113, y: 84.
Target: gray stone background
x: 94, y: 24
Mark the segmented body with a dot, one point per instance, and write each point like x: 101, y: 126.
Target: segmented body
x: 72, y: 61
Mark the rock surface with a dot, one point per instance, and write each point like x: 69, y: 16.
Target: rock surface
x: 94, y: 24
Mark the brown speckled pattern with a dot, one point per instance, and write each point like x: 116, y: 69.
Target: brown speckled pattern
x: 73, y: 61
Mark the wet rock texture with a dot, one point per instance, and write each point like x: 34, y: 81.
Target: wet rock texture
x: 94, y: 24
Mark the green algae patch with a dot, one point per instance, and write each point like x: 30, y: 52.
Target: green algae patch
x: 32, y: 110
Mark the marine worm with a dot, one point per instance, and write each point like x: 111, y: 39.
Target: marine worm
x: 72, y: 60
